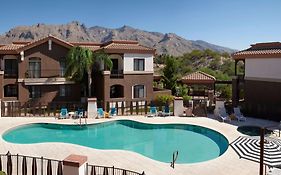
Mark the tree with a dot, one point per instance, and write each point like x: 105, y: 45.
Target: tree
x: 80, y: 61
x: 170, y: 73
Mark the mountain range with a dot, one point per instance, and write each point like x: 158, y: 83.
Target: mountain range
x: 168, y: 43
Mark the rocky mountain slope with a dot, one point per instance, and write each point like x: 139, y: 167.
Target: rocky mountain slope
x: 168, y: 43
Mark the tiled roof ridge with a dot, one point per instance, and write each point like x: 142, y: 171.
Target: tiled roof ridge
x: 132, y: 45
x: 192, y: 75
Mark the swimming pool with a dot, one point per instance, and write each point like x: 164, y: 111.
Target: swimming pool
x: 156, y: 141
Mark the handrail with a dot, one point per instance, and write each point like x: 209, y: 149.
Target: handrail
x: 175, y: 157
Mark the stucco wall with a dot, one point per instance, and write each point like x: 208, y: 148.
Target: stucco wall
x: 129, y: 62
x: 267, y: 68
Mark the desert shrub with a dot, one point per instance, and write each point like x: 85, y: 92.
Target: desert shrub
x: 161, y: 100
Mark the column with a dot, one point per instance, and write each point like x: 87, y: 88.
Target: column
x: 75, y: 165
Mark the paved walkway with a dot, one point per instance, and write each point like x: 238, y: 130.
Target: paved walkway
x: 228, y: 163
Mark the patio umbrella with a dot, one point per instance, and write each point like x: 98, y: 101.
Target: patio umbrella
x: 249, y: 148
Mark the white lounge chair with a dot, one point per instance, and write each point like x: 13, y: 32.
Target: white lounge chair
x: 238, y: 114
x: 223, y: 115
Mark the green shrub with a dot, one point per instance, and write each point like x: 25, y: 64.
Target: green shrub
x: 2, y: 173
x: 163, y: 99
x: 186, y: 99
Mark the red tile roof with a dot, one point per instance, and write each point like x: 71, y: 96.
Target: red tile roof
x: 260, y: 50
x: 198, y: 77
x: 115, y: 46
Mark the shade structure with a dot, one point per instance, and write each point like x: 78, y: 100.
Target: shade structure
x: 249, y: 148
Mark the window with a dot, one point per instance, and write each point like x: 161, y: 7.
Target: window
x: 62, y: 67
x: 138, y: 64
x: 11, y: 90
x: 65, y: 90
x: 139, y: 91
x: 116, y: 91
x: 34, y: 92
x: 11, y: 67
x: 34, y: 70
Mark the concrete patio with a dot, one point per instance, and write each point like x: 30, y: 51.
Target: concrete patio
x: 228, y: 163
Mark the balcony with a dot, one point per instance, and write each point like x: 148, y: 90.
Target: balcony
x: 10, y: 73
x: 116, y: 74
x: 44, y: 73
x: 45, y: 77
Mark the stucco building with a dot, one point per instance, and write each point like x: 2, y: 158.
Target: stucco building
x: 261, y: 81
x: 34, y: 71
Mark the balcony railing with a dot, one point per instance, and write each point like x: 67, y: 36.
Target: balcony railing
x: 44, y: 73
x: 116, y: 74
x: 10, y: 73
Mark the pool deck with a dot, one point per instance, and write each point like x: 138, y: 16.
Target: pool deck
x: 228, y: 163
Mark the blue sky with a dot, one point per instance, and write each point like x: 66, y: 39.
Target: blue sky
x: 231, y: 23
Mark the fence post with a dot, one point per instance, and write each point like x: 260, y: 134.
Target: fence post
x: 1, y: 106
x: 17, y: 164
x: 9, y: 164
x: 24, y: 166
x: 42, y: 166
x: 75, y: 165
x: 137, y: 107
x: 122, y: 107
x: 131, y: 108
x: 34, y: 166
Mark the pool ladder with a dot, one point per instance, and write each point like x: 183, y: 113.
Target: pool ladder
x: 175, y: 157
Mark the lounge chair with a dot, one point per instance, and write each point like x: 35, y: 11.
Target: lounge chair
x: 166, y: 111
x: 238, y: 114
x: 63, y: 113
x: 152, y: 112
x: 79, y: 113
x: 113, y: 111
x: 100, y: 113
x: 223, y: 115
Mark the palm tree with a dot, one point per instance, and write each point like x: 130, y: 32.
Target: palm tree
x: 81, y: 60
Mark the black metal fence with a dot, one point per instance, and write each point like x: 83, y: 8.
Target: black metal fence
x: 103, y: 170
x: 38, y: 109
x: 28, y: 165
x: 140, y: 107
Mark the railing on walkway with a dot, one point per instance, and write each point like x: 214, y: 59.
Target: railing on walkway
x: 28, y: 165
x: 41, y: 109
x: 103, y: 170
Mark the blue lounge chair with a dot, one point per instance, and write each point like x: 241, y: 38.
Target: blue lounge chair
x: 152, y: 112
x: 113, y: 111
x: 100, y: 113
x: 63, y: 113
x: 166, y: 111
x: 79, y: 113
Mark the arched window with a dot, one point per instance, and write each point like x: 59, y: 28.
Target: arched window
x: 11, y: 90
x: 138, y: 91
x: 116, y: 91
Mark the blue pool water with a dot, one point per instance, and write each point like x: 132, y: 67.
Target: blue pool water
x: 156, y: 141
